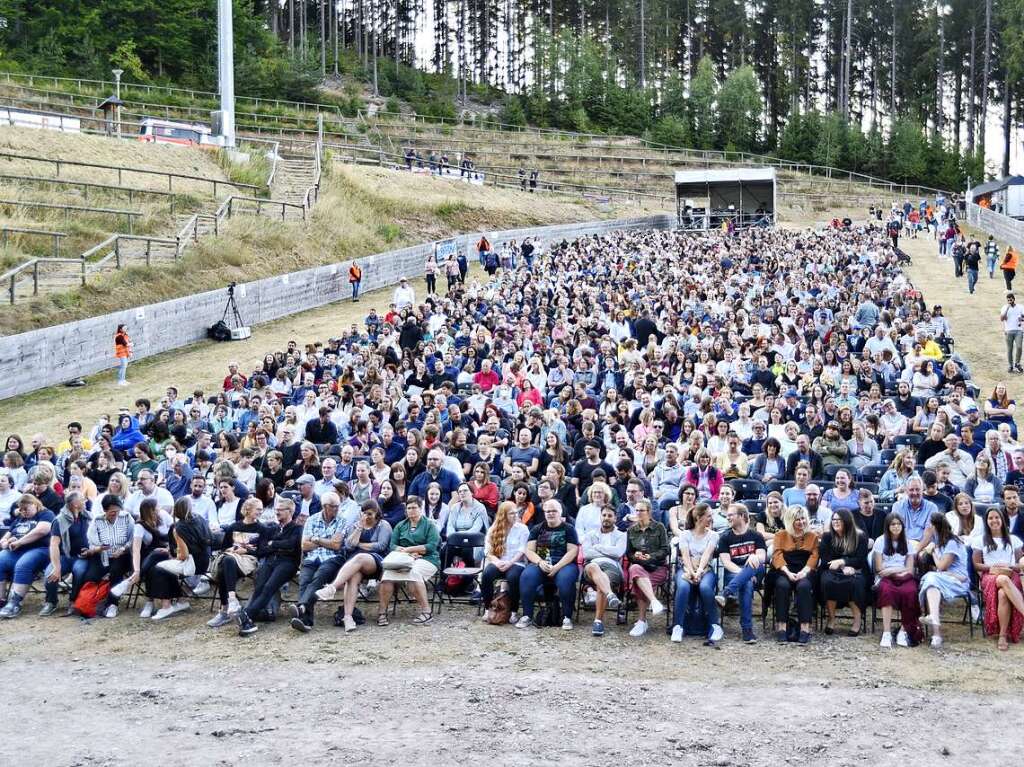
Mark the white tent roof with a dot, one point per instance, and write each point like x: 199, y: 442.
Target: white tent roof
x: 725, y: 176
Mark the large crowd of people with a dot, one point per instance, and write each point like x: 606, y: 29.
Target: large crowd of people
x: 645, y: 423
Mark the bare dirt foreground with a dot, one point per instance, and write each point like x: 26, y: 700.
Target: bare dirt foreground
x: 460, y: 691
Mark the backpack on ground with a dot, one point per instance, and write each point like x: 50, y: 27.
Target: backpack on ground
x: 90, y: 597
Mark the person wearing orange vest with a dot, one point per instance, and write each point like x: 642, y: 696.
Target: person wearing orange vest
x: 123, y: 352
x: 355, y: 277
x: 1009, y: 267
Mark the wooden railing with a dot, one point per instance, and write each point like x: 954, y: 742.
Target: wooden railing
x: 55, y: 237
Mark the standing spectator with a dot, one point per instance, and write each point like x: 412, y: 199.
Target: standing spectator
x: 1012, y: 317
x: 123, y: 353
x: 355, y: 279
x: 1009, y: 266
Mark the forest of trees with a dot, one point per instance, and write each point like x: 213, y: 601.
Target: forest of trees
x: 892, y: 87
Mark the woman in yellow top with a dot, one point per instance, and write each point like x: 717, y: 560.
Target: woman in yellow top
x: 123, y: 352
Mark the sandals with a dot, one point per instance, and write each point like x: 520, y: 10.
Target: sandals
x: 423, y: 619
x: 382, y: 620
x: 1003, y: 644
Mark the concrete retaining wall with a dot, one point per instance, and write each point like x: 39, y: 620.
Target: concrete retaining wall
x: 49, y: 356
x: 1003, y: 228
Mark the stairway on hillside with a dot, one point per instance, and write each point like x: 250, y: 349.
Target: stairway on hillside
x: 295, y: 175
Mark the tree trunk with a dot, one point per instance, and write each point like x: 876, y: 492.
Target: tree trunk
x: 985, y: 72
x: 1007, y: 125
x: 892, y: 69
x: 971, y: 80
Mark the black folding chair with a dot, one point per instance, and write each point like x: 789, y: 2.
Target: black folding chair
x: 441, y: 595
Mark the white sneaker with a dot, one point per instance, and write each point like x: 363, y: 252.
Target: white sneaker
x: 181, y: 606
x: 524, y: 623
x: 163, y: 613
x: 657, y: 608
x: 513, y: 618
x: 902, y: 640
x: 716, y: 632
x: 234, y: 607
x: 936, y: 641
x: 147, y: 610
x: 886, y: 640
x: 218, y: 620
x: 326, y: 593
x: 639, y: 629
x: 110, y: 612
x: 202, y: 588
x: 120, y: 589
x: 566, y: 624
x: 677, y: 633
x: 350, y: 624
x: 590, y: 598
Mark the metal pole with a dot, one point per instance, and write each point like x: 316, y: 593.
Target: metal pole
x: 226, y: 71
x: 117, y: 93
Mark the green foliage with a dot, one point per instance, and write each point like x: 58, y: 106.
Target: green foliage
x: 512, y: 112
x: 907, y: 151
x: 672, y: 131
x: 739, y: 109
x: 126, y: 58
x: 701, y: 116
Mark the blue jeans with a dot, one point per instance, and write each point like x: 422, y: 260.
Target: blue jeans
x: 355, y: 289
x: 741, y: 585
x: 705, y: 592
x: 77, y: 566
x: 991, y: 263
x: 564, y: 582
x: 24, y: 565
x: 122, y: 369
x: 972, y: 279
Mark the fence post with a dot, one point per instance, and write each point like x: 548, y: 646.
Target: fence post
x: 117, y: 251
x: 149, y: 244
x: 84, y: 271
x: 35, y: 279
x: 131, y: 223
x: 56, y: 246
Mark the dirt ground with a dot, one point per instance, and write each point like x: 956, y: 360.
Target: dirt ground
x: 459, y: 690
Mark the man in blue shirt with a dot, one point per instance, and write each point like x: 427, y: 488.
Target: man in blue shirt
x: 435, y: 473
x: 915, y: 510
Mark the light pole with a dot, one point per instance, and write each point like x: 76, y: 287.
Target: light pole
x: 117, y: 107
x: 943, y: 10
x: 226, y: 72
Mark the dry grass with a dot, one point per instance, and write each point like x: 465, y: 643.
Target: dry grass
x: 973, y: 318
x: 361, y: 211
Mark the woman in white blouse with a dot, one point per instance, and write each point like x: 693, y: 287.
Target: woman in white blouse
x: 505, y: 550
x: 997, y: 557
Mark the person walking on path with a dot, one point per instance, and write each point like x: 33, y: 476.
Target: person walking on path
x: 1009, y: 266
x: 991, y: 256
x: 123, y: 353
x: 1012, y: 317
x: 972, y: 261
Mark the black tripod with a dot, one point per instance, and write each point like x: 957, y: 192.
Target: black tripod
x: 232, y: 307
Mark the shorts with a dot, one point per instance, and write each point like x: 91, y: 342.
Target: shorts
x: 611, y: 568
x: 421, y: 571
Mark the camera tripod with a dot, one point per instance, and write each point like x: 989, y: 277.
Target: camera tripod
x: 232, y: 307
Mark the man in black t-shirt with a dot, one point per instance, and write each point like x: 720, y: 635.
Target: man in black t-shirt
x: 742, y: 552
x: 551, y: 563
x: 583, y: 470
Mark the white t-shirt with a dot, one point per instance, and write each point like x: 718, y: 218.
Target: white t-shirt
x: 891, y: 560
x: 1014, y: 315
x: 697, y: 545
x: 1002, y: 555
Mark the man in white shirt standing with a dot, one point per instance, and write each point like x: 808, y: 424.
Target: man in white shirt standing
x: 404, y: 295
x: 1012, y: 316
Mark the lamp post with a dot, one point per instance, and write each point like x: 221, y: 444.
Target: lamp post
x: 943, y: 10
x: 226, y: 72
x: 117, y: 107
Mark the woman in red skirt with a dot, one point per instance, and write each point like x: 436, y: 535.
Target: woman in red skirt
x: 997, y: 557
x: 895, y: 584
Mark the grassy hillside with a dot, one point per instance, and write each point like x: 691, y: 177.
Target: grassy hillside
x: 360, y: 211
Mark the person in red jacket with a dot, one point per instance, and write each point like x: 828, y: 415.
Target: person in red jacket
x: 706, y: 478
x: 484, y: 490
x: 123, y: 353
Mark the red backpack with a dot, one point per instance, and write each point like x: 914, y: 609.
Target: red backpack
x: 91, y: 597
